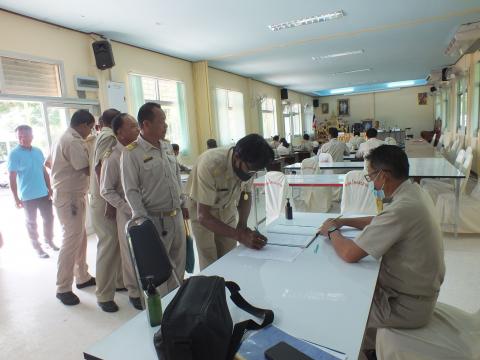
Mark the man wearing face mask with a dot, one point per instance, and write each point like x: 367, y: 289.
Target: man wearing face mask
x: 219, y: 188
x: 406, y: 235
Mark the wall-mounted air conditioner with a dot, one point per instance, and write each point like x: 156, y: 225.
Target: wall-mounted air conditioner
x: 465, y: 40
x: 86, y: 83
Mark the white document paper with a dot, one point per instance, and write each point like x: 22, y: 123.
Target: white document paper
x: 295, y: 230
x: 292, y: 240
x: 272, y: 252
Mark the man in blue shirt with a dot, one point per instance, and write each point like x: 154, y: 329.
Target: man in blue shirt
x: 30, y: 185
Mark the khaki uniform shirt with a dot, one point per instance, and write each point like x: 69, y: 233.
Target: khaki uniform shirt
x: 213, y: 182
x: 306, y: 145
x: 335, y: 148
x: 365, y: 148
x: 408, y: 237
x: 150, y: 178
x: 69, y: 161
x: 356, y: 141
x: 111, y: 187
x: 104, y: 143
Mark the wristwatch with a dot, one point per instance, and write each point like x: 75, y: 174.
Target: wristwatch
x: 331, y: 230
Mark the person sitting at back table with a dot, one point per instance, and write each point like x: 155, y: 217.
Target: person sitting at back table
x: 406, y: 235
x: 275, y: 142
x: 176, y: 152
x: 211, y: 144
x: 371, y: 143
x: 306, y: 144
x: 284, y: 148
x: 356, y: 140
x: 334, y: 147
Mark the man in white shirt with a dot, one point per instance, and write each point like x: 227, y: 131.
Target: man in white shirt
x: 334, y: 147
x: 356, y: 141
x: 371, y: 143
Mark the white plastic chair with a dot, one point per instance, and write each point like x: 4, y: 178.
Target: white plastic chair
x: 434, y: 137
x: 356, y: 197
x: 390, y: 141
x: 440, y: 142
x: 276, y: 193
x: 313, y: 199
x: 451, y: 334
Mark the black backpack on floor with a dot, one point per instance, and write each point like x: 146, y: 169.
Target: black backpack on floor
x: 197, y: 325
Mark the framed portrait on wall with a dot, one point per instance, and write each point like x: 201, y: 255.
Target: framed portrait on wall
x: 325, y: 108
x: 343, y: 107
x: 422, y: 98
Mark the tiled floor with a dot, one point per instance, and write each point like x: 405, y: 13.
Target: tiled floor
x: 34, y: 325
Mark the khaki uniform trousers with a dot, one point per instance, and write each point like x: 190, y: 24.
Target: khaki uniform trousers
x: 108, y: 268
x: 129, y: 275
x: 393, y: 310
x: 211, y: 246
x: 71, y: 213
x: 172, y: 233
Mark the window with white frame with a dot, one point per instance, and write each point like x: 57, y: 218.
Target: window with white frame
x: 461, y: 105
x: 230, y: 116
x: 29, y: 77
x: 297, y: 119
x: 476, y: 101
x: 438, y: 105
x: 269, y: 118
x: 170, y: 95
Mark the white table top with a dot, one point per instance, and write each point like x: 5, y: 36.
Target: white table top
x: 318, y: 297
x: 314, y: 180
x: 432, y: 167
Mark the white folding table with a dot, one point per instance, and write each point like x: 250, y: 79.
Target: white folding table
x: 318, y: 297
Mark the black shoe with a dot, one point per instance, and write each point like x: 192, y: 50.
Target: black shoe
x: 108, y: 306
x: 68, y: 298
x: 52, y: 246
x: 370, y: 354
x: 121, y: 289
x: 88, y: 283
x: 136, y: 303
x: 42, y: 254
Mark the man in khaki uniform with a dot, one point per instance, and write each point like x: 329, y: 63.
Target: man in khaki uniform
x: 70, y: 172
x: 406, y: 235
x: 219, y: 187
x: 334, y: 147
x: 126, y: 131
x: 108, y: 269
x: 151, y: 180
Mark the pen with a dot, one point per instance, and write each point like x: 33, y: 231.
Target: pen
x: 316, y: 248
x: 318, y: 232
x: 258, y: 232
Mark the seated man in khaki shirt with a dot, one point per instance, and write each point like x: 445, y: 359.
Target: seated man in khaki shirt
x: 406, y: 235
x: 219, y: 187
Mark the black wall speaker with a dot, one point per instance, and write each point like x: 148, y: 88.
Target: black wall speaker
x: 284, y: 94
x: 103, y: 54
x: 316, y: 103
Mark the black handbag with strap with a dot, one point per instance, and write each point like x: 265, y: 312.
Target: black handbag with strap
x: 197, y: 325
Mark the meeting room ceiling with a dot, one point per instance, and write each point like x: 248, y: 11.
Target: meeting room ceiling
x: 394, y: 39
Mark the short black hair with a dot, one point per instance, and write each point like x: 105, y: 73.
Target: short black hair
x: 276, y: 138
x: 146, y: 112
x: 175, y: 147
x: 81, y: 117
x: 255, y: 151
x: 117, y: 122
x: 390, y: 158
x: 211, y: 144
x: 371, y: 133
x: 333, y: 131
x: 108, y: 115
x: 284, y: 142
x: 23, y: 128
x: 306, y: 137
x: 356, y: 133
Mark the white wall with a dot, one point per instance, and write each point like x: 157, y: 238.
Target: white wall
x: 393, y: 108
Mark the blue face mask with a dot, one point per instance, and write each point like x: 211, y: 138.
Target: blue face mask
x: 378, y: 194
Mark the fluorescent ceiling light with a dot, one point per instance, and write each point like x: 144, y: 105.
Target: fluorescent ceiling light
x: 401, y: 83
x: 307, y: 21
x: 331, y: 56
x: 351, y: 71
x: 342, y: 90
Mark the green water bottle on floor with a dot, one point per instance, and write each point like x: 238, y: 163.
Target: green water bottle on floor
x: 154, y: 303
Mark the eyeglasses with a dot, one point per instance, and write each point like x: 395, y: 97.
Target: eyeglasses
x: 368, y: 177
x: 250, y: 172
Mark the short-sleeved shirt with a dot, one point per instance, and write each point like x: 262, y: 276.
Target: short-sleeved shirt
x: 213, y: 181
x: 408, y: 237
x: 28, y: 164
x: 104, y: 143
x: 356, y: 141
x: 150, y: 178
x: 335, y: 148
x: 69, y: 161
x: 367, y: 146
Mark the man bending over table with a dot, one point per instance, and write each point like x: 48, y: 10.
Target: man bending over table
x: 406, y: 235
